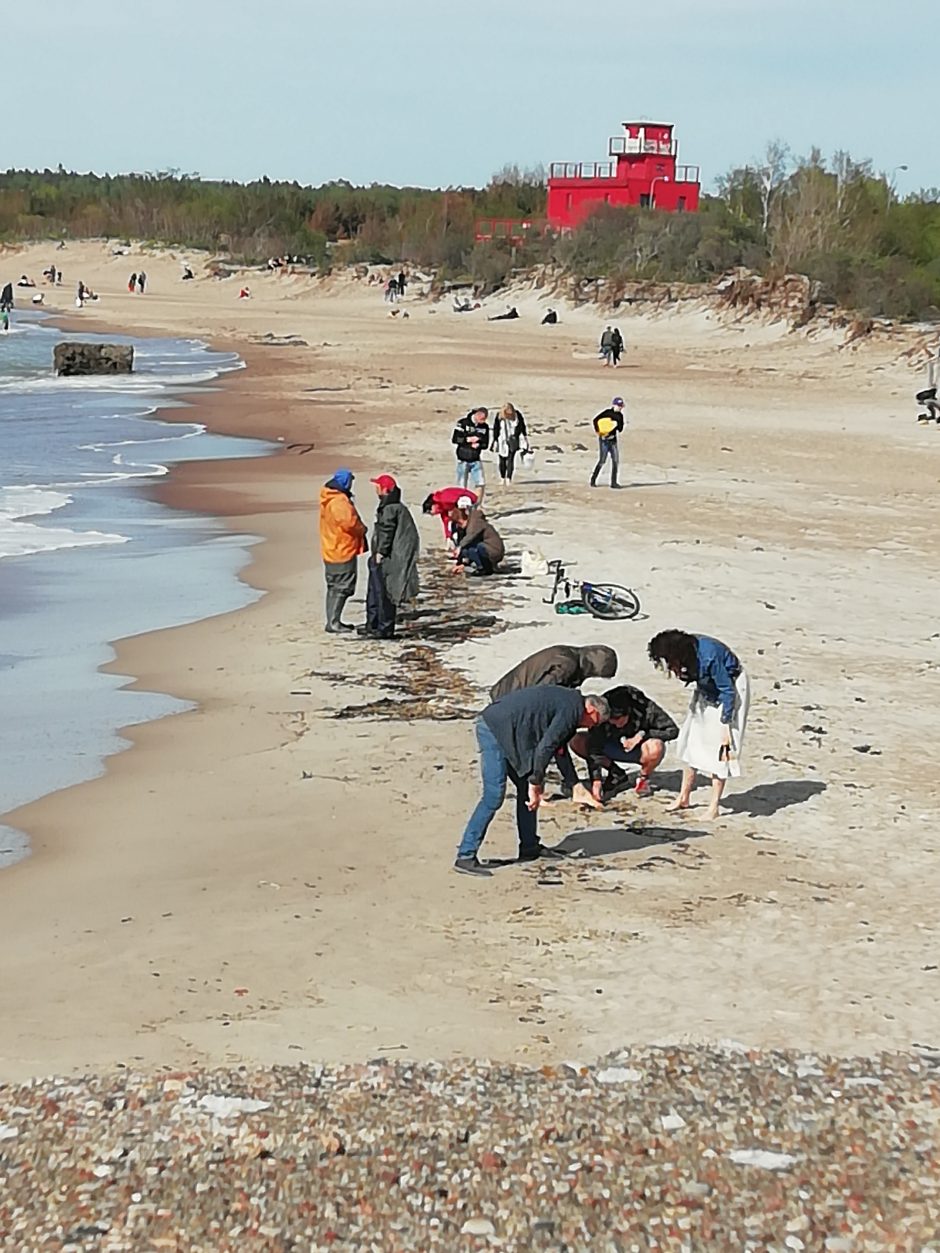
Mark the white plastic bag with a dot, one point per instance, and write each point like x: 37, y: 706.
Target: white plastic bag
x: 534, y: 565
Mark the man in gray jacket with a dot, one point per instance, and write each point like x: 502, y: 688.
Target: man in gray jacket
x: 566, y: 666
x: 518, y: 736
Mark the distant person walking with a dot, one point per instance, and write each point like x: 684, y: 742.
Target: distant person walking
x: 342, y: 541
x: 510, y: 437
x: 472, y: 437
x: 712, y: 737
x: 607, y: 426
x: 6, y: 298
x: 607, y: 345
x: 132, y: 282
x: 517, y: 738
x: 391, y: 291
x: 616, y: 347
x: 80, y: 295
x: 393, y: 565
x: 401, y: 282
x: 141, y: 282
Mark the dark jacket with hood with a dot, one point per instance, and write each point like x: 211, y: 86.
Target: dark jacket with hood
x: 395, y: 540
x: 561, y: 664
x: 642, y: 714
x: 532, y: 724
x: 480, y: 531
x: 463, y: 431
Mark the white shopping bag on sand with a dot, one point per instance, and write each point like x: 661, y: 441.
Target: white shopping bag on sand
x: 534, y: 565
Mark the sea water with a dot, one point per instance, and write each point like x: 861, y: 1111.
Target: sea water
x: 86, y: 557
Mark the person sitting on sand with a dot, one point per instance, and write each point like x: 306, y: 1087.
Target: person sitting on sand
x: 636, y: 733
x: 712, y: 736
x: 245, y: 293
x: 393, y: 565
x: 187, y: 274
x: 561, y: 665
x: 25, y: 281
x: 517, y: 737
x: 509, y: 316
x: 342, y: 541
x: 481, y: 548
x: 550, y: 319
x: 443, y: 503
x: 141, y: 282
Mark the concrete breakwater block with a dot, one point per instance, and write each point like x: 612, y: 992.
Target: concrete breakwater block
x: 80, y: 358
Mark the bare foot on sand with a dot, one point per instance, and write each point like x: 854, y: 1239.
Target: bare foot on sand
x: 676, y: 805
x: 581, y: 796
x: 712, y: 814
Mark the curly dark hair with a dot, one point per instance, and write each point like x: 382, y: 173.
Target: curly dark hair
x: 675, y: 651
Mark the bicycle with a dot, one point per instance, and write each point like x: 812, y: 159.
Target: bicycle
x: 603, y: 600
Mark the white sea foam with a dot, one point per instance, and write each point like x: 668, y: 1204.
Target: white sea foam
x: 19, y: 535
x: 108, y: 382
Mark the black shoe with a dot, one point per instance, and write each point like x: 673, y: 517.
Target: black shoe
x: 615, y: 780
x: 471, y: 865
x: 540, y: 851
x: 344, y: 627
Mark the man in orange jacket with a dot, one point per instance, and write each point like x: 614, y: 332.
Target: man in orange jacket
x: 342, y: 541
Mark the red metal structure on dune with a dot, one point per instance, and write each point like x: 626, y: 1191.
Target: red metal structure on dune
x: 642, y: 170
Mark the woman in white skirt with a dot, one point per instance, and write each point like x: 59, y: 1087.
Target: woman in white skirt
x: 712, y: 737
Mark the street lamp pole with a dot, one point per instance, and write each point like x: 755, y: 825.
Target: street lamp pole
x: 662, y: 178
x: 891, y: 183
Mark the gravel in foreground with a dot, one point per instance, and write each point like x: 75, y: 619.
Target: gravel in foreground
x: 650, y: 1149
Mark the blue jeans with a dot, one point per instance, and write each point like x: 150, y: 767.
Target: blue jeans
x: 607, y: 448
x: 469, y: 473
x: 494, y: 770
x: 477, y: 556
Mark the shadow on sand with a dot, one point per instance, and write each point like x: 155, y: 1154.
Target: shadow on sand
x: 605, y: 841
x: 770, y: 798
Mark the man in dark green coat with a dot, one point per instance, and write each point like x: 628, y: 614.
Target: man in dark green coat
x: 393, y: 564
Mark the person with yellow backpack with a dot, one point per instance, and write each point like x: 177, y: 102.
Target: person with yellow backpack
x: 608, y: 424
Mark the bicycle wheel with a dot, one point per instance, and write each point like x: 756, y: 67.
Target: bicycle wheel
x: 608, y: 600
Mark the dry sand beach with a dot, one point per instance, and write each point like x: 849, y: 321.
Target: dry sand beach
x: 285, y: 840
x: 267, y: 879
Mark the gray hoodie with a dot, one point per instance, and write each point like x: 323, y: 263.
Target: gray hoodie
x: 562, y: 665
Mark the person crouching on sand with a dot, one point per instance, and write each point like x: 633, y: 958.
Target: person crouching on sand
x: 561, y: 665
x: 342, y: 541
x: 481, y: 548
x: 393, y: 565
x: 712, y: 736
x: 517, y: 736
x: 443, y: 503
x: 636, y: 734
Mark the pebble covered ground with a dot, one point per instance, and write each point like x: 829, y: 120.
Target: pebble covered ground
x: 650, y: 1149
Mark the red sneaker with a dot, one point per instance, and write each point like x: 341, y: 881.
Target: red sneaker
x: 642, y: 787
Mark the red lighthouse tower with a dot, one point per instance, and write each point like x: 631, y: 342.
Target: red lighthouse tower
x: 642, y: 170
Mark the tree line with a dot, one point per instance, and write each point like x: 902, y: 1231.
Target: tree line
x: 835, y: 220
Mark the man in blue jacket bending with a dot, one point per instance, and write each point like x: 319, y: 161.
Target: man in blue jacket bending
x: 518, y: 736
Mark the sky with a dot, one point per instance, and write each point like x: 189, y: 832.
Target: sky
x: 445, y: 92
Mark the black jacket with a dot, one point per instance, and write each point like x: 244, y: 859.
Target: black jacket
x: 532, y: 724
x: 642, y: 713
x: 462, y: 432
x: 395, y: 540
x: 616, y: 415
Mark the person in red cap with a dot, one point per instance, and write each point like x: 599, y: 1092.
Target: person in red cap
x: 443, y: 503
x: 393, y: 564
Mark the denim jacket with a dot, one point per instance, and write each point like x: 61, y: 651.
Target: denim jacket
x: 717, y: 670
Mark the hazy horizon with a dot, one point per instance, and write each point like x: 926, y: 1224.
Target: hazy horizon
x: 294, y: 94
